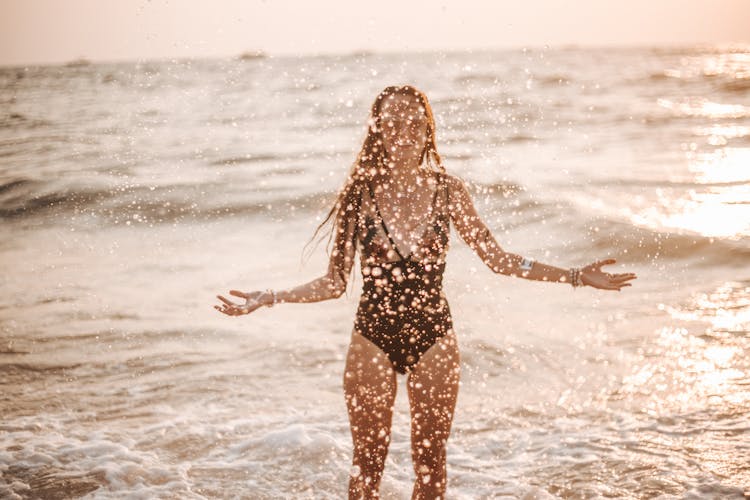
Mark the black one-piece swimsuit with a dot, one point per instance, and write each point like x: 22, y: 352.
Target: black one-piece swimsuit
x: 402, y: 309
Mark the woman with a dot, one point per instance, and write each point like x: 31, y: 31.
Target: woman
x: 396, y: 207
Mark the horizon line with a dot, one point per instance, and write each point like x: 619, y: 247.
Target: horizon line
x: 83, y: 60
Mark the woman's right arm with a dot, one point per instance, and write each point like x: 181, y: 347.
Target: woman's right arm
x: 329, y: 286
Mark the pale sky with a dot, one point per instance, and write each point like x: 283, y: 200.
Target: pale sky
x: 49, y: 31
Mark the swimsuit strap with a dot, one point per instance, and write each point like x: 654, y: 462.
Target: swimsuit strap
x: 382, y: 221
x: 447, y: 191
x: 385, y: 228
x: 434, y: 203
x: 445, y: 212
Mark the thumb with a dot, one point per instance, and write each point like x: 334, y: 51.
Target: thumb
x: 604, y: 262
x: 238, y: 293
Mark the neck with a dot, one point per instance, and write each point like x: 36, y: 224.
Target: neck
x: 405, y: 179
x: 405, y: 171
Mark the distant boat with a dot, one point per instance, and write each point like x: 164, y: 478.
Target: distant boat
x: 78, y: 63
x: 251, y: 55
x: 362, y: 53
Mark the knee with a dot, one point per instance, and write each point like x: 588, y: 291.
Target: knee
x: 429, y: 457
x: 372, y: 446
x: 368, y: 465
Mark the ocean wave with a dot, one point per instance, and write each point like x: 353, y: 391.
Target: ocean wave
x: 19, y: 120
x: 736, y: 85
x: 11, y: 185
x: 24, y: 198
x: 647, y: 245
x: 280, y: 157
x: 142, y: 206
x: 554, y: 80
x: 520, y: 137
x: 235, y: 160
x: 20, y: 372
x: 730, y: 83
x: 478, y: 78
x: 660, y: 76
x: 20, y: 199
x: 34, y: 140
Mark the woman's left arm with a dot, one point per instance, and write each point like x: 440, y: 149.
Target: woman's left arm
x: 477, y: 235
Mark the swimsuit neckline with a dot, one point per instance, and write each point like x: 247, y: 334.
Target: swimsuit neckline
x: 388, y: 233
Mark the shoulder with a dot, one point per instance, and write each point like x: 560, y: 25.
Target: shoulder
x: 456, y: 186
x: 354, y: 188
x: 453, y: 181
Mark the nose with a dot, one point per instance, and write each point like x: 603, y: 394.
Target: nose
x: 405, y: 126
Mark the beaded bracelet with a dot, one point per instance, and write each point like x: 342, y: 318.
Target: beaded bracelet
x: 273, y: 297
x: 576, y: 278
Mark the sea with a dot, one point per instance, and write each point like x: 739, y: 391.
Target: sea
x: 132, y: 193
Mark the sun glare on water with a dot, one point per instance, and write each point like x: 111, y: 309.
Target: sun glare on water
x: 710, y: 196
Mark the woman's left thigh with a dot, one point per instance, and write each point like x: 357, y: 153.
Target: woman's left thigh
x: 433, y: 390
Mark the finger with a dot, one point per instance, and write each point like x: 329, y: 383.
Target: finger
x: 238, y: 293
x: 620, y: 282
x: 226, y: 301
x: 621, y: 277
x: 604, y: 262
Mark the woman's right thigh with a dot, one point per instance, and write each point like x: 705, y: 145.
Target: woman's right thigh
x: 370, y: 390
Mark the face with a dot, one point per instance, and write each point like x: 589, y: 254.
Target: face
x: 403, y: 125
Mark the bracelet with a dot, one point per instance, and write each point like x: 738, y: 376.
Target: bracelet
x: 576, y: 277
x: 273, y: 297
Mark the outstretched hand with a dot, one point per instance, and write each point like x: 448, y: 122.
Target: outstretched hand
x: 252, y: 302
x: 592, y: 275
